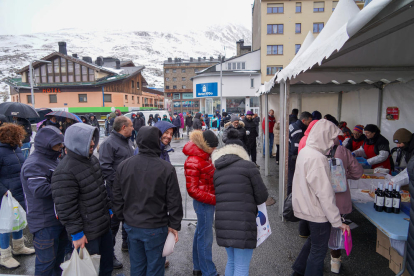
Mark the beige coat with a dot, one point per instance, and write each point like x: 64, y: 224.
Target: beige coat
x: 312, y: 194
x: 276, y: 132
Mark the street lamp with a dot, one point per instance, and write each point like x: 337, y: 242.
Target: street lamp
x: 31, y: 77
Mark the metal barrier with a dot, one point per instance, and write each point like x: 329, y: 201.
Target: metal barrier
x: 185, y: 218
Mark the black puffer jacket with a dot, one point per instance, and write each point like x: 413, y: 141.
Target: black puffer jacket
x: 197, y: 124
x: 78, y: 188
x: 139, y: 122
x: 250, y: 126
x: 239, y: 189
x: 410, y: 240
x: 240, y: 129
x: 189, y: 121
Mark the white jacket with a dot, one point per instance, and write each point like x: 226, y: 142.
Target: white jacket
x: 312, y: 195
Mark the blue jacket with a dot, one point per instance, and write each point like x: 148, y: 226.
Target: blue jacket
x: 36, y: 179
x: 176, y: 121
x: 163, y: 126
x: 11, y: 162
x: 296, y: 132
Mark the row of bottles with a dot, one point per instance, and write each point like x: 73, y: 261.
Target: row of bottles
x: 388, y: 200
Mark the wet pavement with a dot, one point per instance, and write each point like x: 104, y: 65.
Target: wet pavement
x: 274, y: 257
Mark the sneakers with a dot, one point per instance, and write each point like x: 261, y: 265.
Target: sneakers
x: 335, y: 264
x: 117, y: 264
x: 20, y: 249
x: 124, y: 246
x: 7, y: 260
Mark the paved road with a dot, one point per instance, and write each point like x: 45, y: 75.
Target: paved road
x: 274, y: 257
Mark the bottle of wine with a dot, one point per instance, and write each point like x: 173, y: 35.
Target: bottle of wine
x: 380, y: 198
x: 396, y: 200
x: 388, y: 198
x: 375, y: 200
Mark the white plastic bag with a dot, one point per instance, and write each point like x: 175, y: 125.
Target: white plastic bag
x: 263, y: 225
x: 337, y: 239
x: 12, y: 215
x: 81, y: 264
x: 400, y: 179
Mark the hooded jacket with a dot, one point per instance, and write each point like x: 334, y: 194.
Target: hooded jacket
x: 250, y: 126
x: 177, y: 121
x: 115, y: 149
x: 240, y: 128
x: 214, y: 122
x: 146, y: 190
x: 36, y: 179
x: 151, y: 120
x: 197, y: 124
x: 27, y: 127
x: 11, y: 162
x: 139, y: 121
x: 78, y: 188
x: 157, y: 117
x: 225, y: 119
x: 239, y: 189
x: 313, y: 198
x: 165, y: 149
x: 93, y: 122
x: 199, y: 169
x: 189, y: 120
x: 181, y: 120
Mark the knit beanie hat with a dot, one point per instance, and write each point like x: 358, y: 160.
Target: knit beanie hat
x: 249, y: 113
x: 234, y: 118
x: 359, y: 128
x: 402, y: 135
x: 372, y: 128
x: 233, y: 137
x: 210, y: 138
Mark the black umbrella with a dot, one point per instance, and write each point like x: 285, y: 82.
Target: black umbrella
x: 63, y: 114
x: 20, y: 110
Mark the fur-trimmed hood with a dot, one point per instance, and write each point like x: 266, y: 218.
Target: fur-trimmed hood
x: 197, y: 145
x: 241, y: 124
x: 228, y: 155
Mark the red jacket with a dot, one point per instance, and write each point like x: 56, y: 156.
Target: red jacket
x: 272, y: 121
x: 199, y: 170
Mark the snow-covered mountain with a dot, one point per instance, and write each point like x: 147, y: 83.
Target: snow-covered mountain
x: 146, y: 48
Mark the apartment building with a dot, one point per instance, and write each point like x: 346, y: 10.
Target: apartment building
x: 178, y: 87
x: 280, y: 26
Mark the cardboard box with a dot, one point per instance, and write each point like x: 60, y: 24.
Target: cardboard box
x: 396, y: 262
x: 383, y: 244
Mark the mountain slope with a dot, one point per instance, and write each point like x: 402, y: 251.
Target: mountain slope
x: 143, y: 47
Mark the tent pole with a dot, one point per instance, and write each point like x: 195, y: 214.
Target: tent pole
x: 380, y: 99
x: 286, y: 139
x: 281, y: 148
x: 339, y: 106
x: 266, y: 134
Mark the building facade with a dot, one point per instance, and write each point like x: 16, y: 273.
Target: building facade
x: 178, y: 87
x: 82, y: 86
x: 280, y: 26
x: 240, y: 80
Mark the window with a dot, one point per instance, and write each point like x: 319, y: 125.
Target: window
x: 176, y: 96
x: 271, y: 70
x: 174, y: 79
x: 132, y: 84
x: 83, y: 98
x: 298, y: 7
x: 137, y: 84
x: 137, y: 99
x: 167, y: 70
x: 29, y: 99
x: 297, y: 48
x: 229, y: 66
x: 132, y: 98
x: 317, y: 27
x: 126, y: 97
x: 318, y: 6
x: 182, y: 70
x: 183, y: 78
x: 52, y: 98
x: 107, y: 98
x: 167, y: 87
x: 275, y: 49
x: 184, y: 87
x: 174, y: 70
x: 298, y: 28
x: 251, y: 83
x: 275, y: 29
x: 167, y: 79
x: 174, y: 86
x: 238, y: 66
x: 334, y: 3
x: 275, y: 8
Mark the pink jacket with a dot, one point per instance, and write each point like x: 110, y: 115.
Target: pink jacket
x: 302, y: 142
x: 182, y: 120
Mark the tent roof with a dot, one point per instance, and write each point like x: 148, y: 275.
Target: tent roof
x: 374, y: 46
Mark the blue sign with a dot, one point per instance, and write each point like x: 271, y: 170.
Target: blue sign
x: 206, y: 90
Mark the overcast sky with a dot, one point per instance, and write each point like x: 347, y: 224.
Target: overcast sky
x: 34, y: 16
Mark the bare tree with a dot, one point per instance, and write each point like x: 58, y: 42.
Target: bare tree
x: 4, y: 95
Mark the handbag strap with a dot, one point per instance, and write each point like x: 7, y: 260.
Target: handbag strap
x: 332, y: 154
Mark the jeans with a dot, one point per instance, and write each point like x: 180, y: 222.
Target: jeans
x: 203, y: 239
x: 133, y: 136
x: 102, y: 246
x: 5, y: 238
x: 145, y: 250
x: 238, y: 261
x: 26, y: 149
x: 50, y: 244
x: 271, y: 139
x: 311, y: 258
x: 189, y: 129
x: 291, y: 173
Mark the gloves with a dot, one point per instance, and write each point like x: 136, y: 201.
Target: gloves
x: 364, y: 162
x: 353, y: 154
x: 247, y: 132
